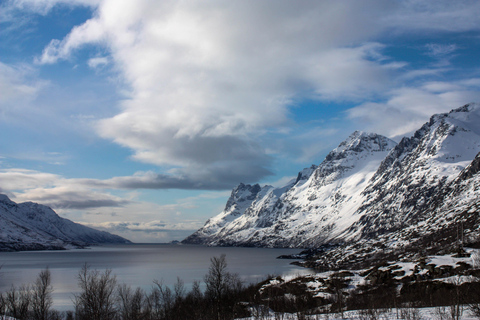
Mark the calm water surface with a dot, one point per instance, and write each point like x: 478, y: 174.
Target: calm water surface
x: 138, y: 265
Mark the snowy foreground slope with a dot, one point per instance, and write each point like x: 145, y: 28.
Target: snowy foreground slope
x: 367, y: 188
x: 31, y: 226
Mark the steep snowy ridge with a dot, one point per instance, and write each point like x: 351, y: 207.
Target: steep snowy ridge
x: 451, y: 218
x: 31, y: 226
x: 412, y: 176
x: 240, y: 199
x: 370, y: 195
x: 314, y: 208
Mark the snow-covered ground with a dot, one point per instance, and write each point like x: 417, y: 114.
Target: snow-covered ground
x: 317, y: 284
x: 397, y: 314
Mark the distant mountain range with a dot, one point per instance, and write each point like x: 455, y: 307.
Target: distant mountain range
x: 31, y: 226
x: 369, y: 195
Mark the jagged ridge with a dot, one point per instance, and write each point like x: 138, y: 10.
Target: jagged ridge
x: 323, y: 196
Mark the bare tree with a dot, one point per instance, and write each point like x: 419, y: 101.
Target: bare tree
x: 221, y: 287
x: 2, y: 304
x: 456, y: 306
x: 130, y: 303
x: 216, y: 279
x: 161, y: 301
x: 97, y: 298
x: 17, y: 302
x: 42, y: 296
x: 194, y: 303
x: 179, y: 289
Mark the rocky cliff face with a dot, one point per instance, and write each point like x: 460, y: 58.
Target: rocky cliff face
x: 31, y: 226
x: 369, y: 195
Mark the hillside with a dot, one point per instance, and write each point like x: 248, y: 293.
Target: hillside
x: 31, y: 226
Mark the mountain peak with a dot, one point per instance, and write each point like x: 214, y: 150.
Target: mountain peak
x: 4, y: 198
x: 242, y: 193
x: 466, y: 108
x: 359, y: 142
x: 463, y: 114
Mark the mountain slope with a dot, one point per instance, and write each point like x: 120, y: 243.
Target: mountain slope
x: 450, y: 222
x: 415, y: 175
x: 31, y: 226
x: 371, y: 196
x: 309, y: 210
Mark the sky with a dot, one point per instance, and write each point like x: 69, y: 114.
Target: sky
x: 139, y: 117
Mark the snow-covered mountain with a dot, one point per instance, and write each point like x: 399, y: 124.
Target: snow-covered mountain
x: 369, y: 192
x: 413, y: 176
x: 31, y: 226
x: 314, y: 208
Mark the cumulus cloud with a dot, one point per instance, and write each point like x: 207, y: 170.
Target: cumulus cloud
x: 207, y: 80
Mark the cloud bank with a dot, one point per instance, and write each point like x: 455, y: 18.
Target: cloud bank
x: 208, y: 79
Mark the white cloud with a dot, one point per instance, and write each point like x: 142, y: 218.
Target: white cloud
x: 99, y: 202
x: 434, y: 16
x: 62, y: 193
x: 44, y: 6
x: 70, y: 197
x: 149, y: 226
x: 440, y: 50
x: 98, y: 61
x: 90, y: 32
x: 350, y: 73
x: 18, y: 87
x: 54, y: 190
x: 208, y: 79
x: 408, y: 108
